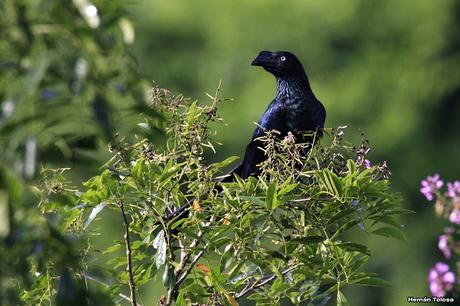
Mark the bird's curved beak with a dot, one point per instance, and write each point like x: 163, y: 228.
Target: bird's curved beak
x: 265, y: 58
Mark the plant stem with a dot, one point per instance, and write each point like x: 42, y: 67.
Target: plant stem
x: 129, y: 261
x: 183, y: 271
x: 121, y: 295
x: 259, y: 283
x: 192, y: 264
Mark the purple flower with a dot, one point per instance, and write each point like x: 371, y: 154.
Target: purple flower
x: 453, y: 189
x: 430, y: 185
x: 367, y: 163
x: 454, y: 216
x: 441, y: 279
x: 443, y: 245
x: 360, y: 160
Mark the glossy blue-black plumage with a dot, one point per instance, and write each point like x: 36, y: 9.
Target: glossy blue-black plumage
x: 294, y: 109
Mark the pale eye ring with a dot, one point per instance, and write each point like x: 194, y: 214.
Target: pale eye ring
x: 283, y: 58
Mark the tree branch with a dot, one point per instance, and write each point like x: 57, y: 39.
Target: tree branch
x: 121, y: 295
x: 129, y: 261
x: 261, y: 282
x: 192, y: 264
x: 185, y: 256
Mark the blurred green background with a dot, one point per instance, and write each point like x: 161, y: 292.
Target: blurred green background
x: 388, y: 68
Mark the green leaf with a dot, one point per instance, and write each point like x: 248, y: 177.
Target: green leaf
x: 176, y: 223
x: 331, y: 182
x: 398, y: 211
x: 341, y: 214
x: 118, y: 173
x: 224, y: 163
x: 136, y: 244
x: 373, y: 281
x: 169, y: 171
x: 181, y: 301
x: 112, y: 249
x: 286, y: 188
x: 169, y: 277
x: 137, y: 170
x: 192, y: 113
x: 160, y: 244
x: 226, y: 261
x: 341, y: 299
x: 271, y: 199
x: 358, y: 262
x: 279, y: 286
x: 254, y: 200
x: 351, y: 167
x: 349, y: 246
x: 94, y: 212
x: 388, y: 219
x: 390, y: 232
x: 344, y: 228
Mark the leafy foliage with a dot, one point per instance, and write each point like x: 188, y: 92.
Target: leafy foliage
x: 66, y: 81
x: 282, y: 236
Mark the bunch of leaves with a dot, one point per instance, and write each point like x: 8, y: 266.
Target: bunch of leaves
x: 279, y: 236
x: 67, y: 79
x: 68, y: 82
x: 42, y: 248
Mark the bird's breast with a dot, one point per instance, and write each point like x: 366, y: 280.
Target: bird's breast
x: 298, y: 114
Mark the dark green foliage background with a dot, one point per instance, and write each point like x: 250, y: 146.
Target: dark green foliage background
x: 388, y: 68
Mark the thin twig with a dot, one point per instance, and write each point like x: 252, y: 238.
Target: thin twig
x: 129, y: 261
x: 184, y: 273
x: 121, y: 295
x: 192, y: 264
x: 259, y: 283
x: 185, y: 256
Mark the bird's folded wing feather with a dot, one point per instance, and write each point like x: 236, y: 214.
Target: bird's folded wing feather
x: 272, y: 119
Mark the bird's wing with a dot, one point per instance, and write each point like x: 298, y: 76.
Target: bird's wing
x: 320, y: 117
x: 272, y: 119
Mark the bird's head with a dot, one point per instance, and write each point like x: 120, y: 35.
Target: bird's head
x: 279, y: 63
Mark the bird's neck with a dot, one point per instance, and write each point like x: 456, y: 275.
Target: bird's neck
x: 288, y: 88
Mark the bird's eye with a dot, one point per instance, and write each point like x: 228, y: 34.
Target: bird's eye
x: 283, y: 58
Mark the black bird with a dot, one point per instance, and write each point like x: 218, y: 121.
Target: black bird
x: 294, y: 109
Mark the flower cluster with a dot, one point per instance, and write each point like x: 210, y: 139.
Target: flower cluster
x: 430, y: 186
x: 360, y: 160
x: 441, y: 279
x: 362, y: 151
x: 453, y: 190
x: 454, y: 216
x: 443, y: 242
x: 443, y: 245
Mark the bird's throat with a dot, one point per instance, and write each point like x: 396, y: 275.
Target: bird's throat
x: 288, y: 89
